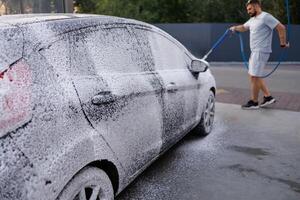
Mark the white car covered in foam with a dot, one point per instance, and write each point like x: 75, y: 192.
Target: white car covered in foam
x: 87, y: 102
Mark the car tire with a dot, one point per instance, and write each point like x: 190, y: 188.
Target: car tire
x: 90, y: 181
x: 207, y: 120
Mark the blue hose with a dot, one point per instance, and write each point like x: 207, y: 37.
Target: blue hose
x: 246, y: 64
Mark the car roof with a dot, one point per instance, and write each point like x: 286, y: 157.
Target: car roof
x: 23, y: 19
x: 72, y: 22
x: 29, y: 18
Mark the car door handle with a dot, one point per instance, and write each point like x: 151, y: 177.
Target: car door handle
x: 171, y: 87
x: 104, y: 98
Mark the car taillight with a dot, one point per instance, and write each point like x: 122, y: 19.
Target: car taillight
x: 15, y: 97
x: 1, y: 75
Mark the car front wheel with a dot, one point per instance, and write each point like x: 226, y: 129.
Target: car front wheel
x: 207, y: 120
x: 89, y: 184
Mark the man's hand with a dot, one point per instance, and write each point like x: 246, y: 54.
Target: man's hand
x: 239, y: 28
x: 232, y: 29
x: 286, y: 45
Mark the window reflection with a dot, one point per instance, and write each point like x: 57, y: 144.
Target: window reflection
x: 33, y: 6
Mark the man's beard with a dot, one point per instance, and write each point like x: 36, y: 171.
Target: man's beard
x: 253, y: 14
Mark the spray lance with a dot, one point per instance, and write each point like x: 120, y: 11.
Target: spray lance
x: 219, y: 41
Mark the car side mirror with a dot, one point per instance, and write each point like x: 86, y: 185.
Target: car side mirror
x: 199, y: 66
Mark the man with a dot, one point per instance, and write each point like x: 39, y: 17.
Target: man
x: 261, y: 25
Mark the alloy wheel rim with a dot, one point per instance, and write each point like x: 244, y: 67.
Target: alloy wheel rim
x: 209, y: 114
x: 92, y: 192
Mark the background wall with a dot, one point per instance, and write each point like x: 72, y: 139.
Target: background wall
x: 199, y: 38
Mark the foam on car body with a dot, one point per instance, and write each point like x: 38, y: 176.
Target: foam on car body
x: 11, y: 43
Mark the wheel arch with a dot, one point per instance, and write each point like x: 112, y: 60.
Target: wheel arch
x: 110, y: 169
x: 213, y: 89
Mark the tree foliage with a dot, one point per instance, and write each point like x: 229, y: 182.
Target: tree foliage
x: 186, y: 11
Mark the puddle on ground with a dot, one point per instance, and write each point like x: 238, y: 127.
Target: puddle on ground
x: 294, y: 186
x: 250, y: 150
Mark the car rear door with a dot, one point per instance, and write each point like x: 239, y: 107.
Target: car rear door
x: 119, y: 94
x: 180, y: 88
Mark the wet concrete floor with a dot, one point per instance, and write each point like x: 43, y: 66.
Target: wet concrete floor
x: 249, y: 155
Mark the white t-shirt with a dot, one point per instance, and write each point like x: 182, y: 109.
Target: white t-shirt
x: 261, y: 32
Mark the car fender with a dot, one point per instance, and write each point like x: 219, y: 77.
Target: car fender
x: 71, y: 159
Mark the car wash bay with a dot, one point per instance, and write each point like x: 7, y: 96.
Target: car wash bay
x: 248, y: 155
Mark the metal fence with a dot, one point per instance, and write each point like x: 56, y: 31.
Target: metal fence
x: 35, y: 6
x: 199, y: 38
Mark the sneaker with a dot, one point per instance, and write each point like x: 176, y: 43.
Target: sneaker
x: 251, y: 105
x: 267, y: 101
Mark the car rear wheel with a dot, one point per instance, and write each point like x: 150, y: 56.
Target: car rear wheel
x: 89, y: 184
x: 207, y: 120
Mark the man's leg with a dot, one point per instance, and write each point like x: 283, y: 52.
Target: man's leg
x: 255, y: 87
x: 264, y: 88
x: 268, y: 99
x: 255, y: 84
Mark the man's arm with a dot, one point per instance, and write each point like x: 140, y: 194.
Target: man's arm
x: 239, y: 28
x: 282, y: 35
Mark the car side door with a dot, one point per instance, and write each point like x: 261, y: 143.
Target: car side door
x: 121, y: 94
x: 179, y: 86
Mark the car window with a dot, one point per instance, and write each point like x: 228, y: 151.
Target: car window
x: 167, y: 54
x: 106, y: 50
x: 82, y: 63
x: 146, y: 53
